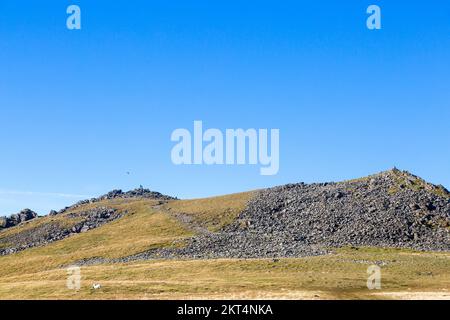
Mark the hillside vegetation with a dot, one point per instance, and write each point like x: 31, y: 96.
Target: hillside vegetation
x: 147, y: 224
x: 295, y: 241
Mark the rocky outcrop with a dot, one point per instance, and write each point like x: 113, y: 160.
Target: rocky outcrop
x: 15, y: 219
x: 42, y: 234
x: 119, y: 194
x: 78, y: 221
x: 136, y: 193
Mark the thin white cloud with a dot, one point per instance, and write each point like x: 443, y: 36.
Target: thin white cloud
x: 43, y: 194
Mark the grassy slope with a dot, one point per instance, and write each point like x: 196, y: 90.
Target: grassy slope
x: 342, y: 275
x: 146, y: 226
x: 38, y: 272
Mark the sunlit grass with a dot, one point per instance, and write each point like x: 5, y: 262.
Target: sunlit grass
x: 40, y: 273
x: 342, y: 275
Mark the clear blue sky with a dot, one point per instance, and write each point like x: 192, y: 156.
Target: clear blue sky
x: 79, y: 109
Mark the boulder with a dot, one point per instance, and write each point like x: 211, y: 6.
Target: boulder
x: 17, y: 218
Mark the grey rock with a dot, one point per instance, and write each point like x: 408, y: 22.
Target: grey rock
x: 53, y: 231
x: 17, y: 218
x: 119, y: 194
x: 52, y: 213
x: 304, y: 220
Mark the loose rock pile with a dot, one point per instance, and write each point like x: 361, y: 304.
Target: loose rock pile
x: 391, y: 209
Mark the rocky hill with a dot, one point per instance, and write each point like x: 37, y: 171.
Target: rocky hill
x: 81, y: 217
x: 389, y: 209
x: 119, y: 194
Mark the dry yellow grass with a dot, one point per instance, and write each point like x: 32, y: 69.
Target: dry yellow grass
x: 339, y: 276
x: 146, y: 225
x: 212, y: 213
x: 40, y: 273
x: 141, y: 229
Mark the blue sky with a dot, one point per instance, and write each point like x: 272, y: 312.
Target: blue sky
x: 80, y: 109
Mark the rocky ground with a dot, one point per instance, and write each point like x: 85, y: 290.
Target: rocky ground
x: 76, y: 222
x: 53, y: 231
x: 17, y: 218
x: 118, y: 194
x: 390, y: 209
